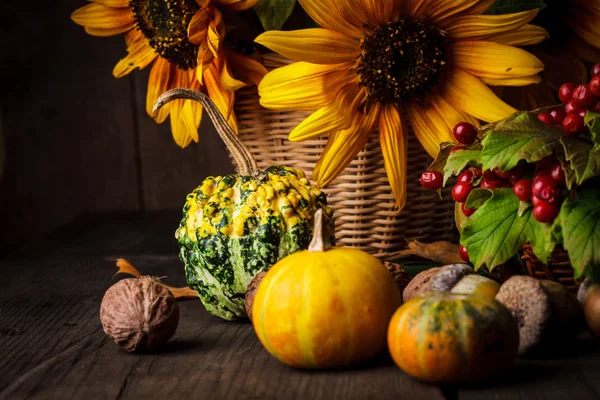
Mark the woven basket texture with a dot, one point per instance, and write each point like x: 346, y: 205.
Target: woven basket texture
x: 558, y: 269
x: 361, y: 197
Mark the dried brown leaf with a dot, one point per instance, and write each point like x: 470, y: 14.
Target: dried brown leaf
x: 441, y: 251
x: 185, y: 292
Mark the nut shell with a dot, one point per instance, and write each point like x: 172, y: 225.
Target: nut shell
x: 400, y: 276
x: 421, y: 283
x: 448, y: 276
x: 251, y: 292
x: 139, y: 313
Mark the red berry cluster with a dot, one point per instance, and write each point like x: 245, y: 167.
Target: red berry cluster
x: 578, y: 100
x: 542, y: 183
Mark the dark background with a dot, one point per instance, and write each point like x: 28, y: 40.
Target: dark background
x: 77, y: 140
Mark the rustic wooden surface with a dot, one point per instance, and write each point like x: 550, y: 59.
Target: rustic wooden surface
x: 52, y: 345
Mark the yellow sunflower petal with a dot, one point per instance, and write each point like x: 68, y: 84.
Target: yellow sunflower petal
x: 302, y: 86
x: 516, y: 81
x: 139, y: 55
x: 467, y: 93
x: 158, y: 83
x: 482, y: 26
x: 393, y: 137
x: 180, y: 121
x: 109, y: 32
x: 450, y: 116
x: 315, y: 45
x: 248, y: 69
x: 325, y: 120
x: 526, y: 35
x: 429, y: 127
x: 328, y: 16
x: 222, y: 98
x: 198, y: 27
x: 343, y: 146
x: 492, y: 60
x: 113, y: 3
x: 443, y: 12
x: 191, y: 114
x: 228, y: 82
x: 98, y: 16
x: 238, y: 5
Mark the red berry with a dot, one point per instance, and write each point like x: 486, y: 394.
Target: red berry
x: 432, y: 180
x: 478, y: 171
x: 573, y: 124
x: 457, y: 148
x: 581, y: 112
x: 596, y: 70
x: 546, y: 118
x: 596, y: 107
x: 467, y: 212
x: 540, y: 182
x: 491, y: 175
x: 536, y: 200
x: 550, y: 195
x: 558, y: 114
x: 595, y: 85
x: 503, y: 174
x: 570, y: 107
x: 464, y: 254
x: 490, y: 184
x: 557, y: 173
x: 461, y: 191
x: 545, y: 212
x: 565, y: 92
x: 583, y: 96
x: 545, y: 163
x: 465, y: 133
x: 466, y: 176
x: 522, y: 189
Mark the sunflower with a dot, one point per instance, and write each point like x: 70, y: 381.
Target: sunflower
x: 183, y: 40
x: 583, y: 17
x: 377, y: 64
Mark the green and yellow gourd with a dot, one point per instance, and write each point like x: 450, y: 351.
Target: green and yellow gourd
x: 237, y: 225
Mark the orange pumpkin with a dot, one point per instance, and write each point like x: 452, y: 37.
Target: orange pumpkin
x: 325, y: 307
x: 449, y: 338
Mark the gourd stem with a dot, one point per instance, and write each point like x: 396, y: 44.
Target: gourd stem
x: 320, y: 240
x: 246, y: 164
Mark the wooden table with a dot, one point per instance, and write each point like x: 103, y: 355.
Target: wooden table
x: 52, y: 344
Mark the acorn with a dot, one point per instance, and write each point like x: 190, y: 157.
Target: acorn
x: 546, y: 312
x: 139, y: 313
x: 251, y: 292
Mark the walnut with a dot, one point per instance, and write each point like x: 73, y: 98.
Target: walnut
x: 139, y: 313
x: 448, y: 276
x: 251, y: 292
x: 421, y: 283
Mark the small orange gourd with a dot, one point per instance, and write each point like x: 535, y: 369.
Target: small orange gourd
x: 326, y: 306
x: 446, y: 337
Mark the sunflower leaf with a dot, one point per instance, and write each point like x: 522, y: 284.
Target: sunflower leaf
x: 523, y: 137
x: 274, y: 13
x: 580, y: 220
x: 513, y: 6
x: 460, y: 159
x: 584, y: 161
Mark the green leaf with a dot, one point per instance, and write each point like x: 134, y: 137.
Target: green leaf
x: 495, y: 232
x: 460, y: 159
x: 274, y: 13
x: 524, y: 206
x: 580, y: 220
x: 440, y: 161
x: 583, y: 160
x: 478, y: 197
x: 592, y: 121
x: 513, y: 6
x: 570, y: 176
x: 541, y: 238
x: 523, y: 137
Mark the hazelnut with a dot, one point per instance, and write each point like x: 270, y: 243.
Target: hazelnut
x: 139, y: 313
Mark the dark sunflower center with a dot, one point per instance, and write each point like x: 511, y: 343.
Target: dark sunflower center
x: 164, y: 23
x: 401, y: 60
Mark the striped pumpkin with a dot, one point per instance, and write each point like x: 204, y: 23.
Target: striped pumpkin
x: 325, y: 307
x: 448, y: 337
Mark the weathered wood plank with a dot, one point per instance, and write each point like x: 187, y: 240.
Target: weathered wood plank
x: 169, y: 173
x: 67, y: 123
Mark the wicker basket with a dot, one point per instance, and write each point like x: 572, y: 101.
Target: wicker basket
x: 362, y: 199
x: 558, y: 269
